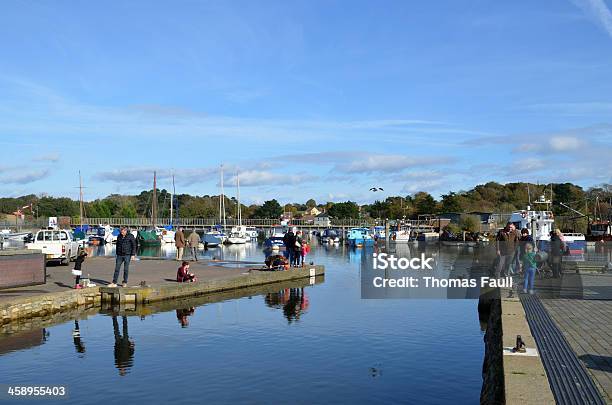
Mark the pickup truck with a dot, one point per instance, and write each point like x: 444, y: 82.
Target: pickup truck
x: 55, y: 244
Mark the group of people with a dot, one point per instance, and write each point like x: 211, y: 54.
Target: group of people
x: 518, y: 251
x: 192, y: 242
x: 296, y: 247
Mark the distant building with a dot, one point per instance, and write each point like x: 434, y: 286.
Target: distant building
x: 312, y: 212
x: 323, y: 220
x: 308, y: 219
x: 453, y: 217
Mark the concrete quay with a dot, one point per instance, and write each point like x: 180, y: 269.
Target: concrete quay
x: 150, y: 280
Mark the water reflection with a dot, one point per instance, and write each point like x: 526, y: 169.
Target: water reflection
x: 76, y: 337
x: 124, y: 346
x: 293, y: 302
x: 183, y: 316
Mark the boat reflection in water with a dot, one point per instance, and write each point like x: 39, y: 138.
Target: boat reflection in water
x: 124, y: 346
x: 293, y: 301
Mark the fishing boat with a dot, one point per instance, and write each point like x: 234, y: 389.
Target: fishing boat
x: 358, y: 237
x: 275, y: 237
x: 541, y: 223
x: 401, y: 233
x: 149, y: 237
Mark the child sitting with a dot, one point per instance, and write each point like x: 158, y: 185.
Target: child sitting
x: 77, y: 272
x: 183, y: 275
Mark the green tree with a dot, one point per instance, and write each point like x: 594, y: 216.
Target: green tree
x: 470, y: 223
x: 424, y: 203
x: 269, y: 209
x: 450, y: 203
x: 311, y: 203
x: 344, y: 210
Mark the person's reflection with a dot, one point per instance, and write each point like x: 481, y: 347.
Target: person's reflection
x: 183, y: 316
x: 76, y: 337
x: 293, y: 302
x: 124, y: 347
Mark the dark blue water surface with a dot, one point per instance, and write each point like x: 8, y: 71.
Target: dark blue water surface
x: 319, y: 344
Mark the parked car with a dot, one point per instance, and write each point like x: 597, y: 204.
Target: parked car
x: 55, y: 244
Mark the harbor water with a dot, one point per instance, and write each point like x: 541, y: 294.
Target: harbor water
x: 321, y: 343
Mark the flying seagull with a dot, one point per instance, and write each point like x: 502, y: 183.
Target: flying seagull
x: 375, y: 189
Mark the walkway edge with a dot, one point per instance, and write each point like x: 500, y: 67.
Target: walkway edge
x: 525, y: 378
x: 51, y: 303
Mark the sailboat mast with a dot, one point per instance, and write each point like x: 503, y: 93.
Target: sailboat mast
x: 154, y: 205
x: 238, y: 199
x: 81, y: 200
x: 172, y: 199
x: 222, y: 200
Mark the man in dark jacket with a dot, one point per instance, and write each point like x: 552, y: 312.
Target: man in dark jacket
x: 125, y: 249
x: 289, y: 242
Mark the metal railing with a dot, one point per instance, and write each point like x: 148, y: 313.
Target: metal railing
x: 209, y: 222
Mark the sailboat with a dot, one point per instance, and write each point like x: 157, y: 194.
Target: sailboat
x: 150, y: 237
x: 217, y: 236
x: 238, y: 235
x: 167, y: 233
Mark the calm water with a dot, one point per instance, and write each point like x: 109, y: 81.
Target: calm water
x: 319, y: 344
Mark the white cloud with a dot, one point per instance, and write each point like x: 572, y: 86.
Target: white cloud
x: 564, y: 143
x: 254, y: 178
x: 598, y: 11
x: 25, y: 177
x: 50, y: 157
x: 388, y: 163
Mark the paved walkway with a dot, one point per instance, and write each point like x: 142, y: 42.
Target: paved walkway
x: 587, y: 326
x: 153, y: 271
x: 581, y: 306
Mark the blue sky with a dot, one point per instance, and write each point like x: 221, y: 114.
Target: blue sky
x: 320, y: 99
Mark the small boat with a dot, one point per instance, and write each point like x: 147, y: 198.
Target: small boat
x: 379, y: 232
x: 251, y: 232
x: 166, y: 234
x: 358, y: 237
x: 275, y: 237
x: 214, y: 238
x: 13, y: 235
x: 148, y: 238
x: 401, y: 234
x: 329, y: 236
x: 238, y: 236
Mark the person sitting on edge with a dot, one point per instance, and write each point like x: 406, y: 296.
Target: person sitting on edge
x: 529, y: 267
x: 183, y: 275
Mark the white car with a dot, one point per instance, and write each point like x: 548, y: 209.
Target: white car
x: 55, y: 244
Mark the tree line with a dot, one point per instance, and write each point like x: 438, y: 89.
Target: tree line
x: 490, y: 197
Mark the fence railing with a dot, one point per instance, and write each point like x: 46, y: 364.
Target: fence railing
x: 209, y: 222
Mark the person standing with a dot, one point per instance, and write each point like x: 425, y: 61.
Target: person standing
x: 289, y: 242
x: 557, y: 248
x: 125, y: 251
x: 179, y: 242
x: 506, y: 245
x: 194, y: 241
x: 529, y: 267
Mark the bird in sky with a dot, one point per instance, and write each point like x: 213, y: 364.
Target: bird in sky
x: 375, y: 189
